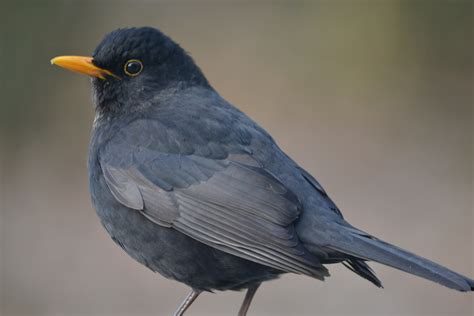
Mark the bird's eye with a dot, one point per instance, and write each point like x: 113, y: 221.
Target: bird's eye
x: 133, y: 67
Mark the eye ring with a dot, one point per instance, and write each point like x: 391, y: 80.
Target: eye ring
x: 133, y: 67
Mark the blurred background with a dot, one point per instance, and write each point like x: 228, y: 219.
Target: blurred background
x: 374, y: 98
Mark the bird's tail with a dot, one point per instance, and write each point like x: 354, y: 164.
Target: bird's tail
x: 361, y: 245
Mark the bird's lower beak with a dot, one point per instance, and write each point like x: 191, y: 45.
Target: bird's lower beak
x: 82, y: 65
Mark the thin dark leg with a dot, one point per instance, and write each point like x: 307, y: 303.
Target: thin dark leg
x: 248, y: 299
x: 187, y: 302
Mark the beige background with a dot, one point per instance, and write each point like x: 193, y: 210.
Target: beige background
x: 374, y: 98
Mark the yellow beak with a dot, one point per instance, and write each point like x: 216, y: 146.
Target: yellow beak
x: 82, y: 65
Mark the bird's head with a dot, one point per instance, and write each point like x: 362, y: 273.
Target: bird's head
x: 133, y: 65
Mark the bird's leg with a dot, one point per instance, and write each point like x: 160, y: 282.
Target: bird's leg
x: 187, y: 302
x: 248, y: 299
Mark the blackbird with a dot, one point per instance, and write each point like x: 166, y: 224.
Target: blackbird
x: 194, y: 189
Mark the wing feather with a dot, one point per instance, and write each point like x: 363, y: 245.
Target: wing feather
x: 225, y: 200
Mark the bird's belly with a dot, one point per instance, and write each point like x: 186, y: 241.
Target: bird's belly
x: 171, y: 253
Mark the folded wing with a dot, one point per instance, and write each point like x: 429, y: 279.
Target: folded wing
x: 232, y: 204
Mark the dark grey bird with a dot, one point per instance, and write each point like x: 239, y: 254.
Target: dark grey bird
x: 192, y: 188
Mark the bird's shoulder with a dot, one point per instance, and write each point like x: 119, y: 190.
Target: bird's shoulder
x: 195, y: 122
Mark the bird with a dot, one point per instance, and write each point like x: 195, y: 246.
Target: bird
x: 192, y: 188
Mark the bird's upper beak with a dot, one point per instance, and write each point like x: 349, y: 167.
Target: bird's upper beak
x: 82, y: 65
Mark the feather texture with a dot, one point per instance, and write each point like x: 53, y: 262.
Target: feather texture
x: 232, y: 204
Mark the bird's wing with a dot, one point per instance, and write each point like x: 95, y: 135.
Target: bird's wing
x: 230, y: 202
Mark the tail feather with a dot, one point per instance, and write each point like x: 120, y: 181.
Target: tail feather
x: 362, y: 269
x: 363, y: 246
